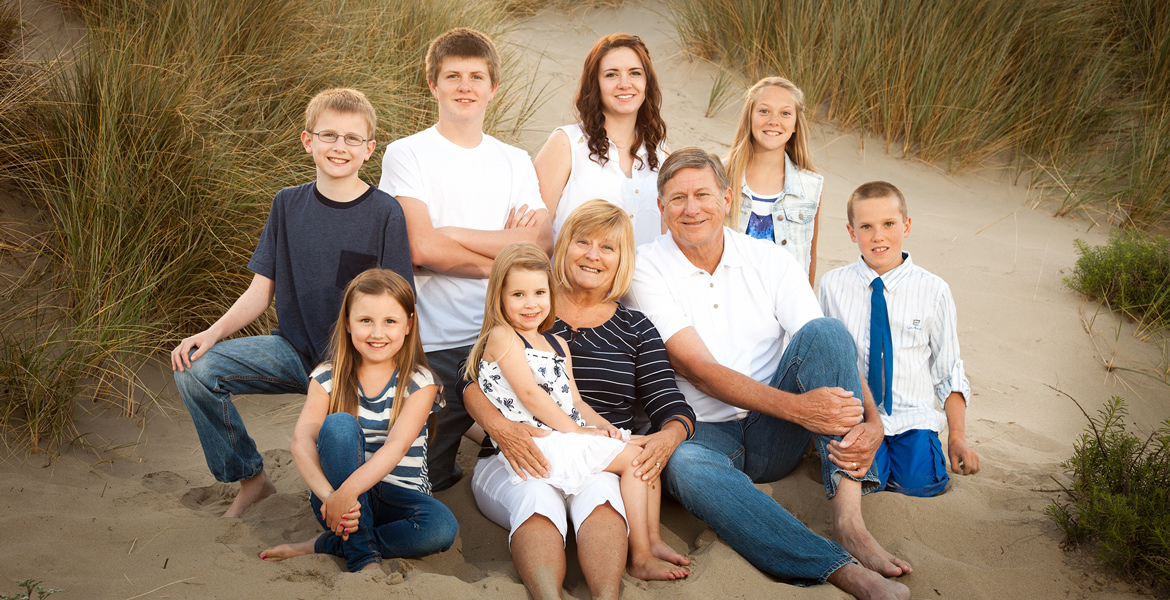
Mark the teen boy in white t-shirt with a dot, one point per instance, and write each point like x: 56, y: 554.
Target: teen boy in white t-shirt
x: 466, y: 196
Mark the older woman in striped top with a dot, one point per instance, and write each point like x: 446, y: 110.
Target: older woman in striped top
x: 621, y: 369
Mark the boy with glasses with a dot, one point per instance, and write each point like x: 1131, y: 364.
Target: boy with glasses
x: 318, y: 236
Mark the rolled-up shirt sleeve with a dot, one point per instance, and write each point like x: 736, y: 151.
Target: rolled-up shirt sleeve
x: 946, y: 367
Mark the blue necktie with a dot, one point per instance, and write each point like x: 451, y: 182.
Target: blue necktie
x: 881, y: 349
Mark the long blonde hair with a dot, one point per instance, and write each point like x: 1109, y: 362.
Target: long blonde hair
x: 743, y: 152
x: 343, y: 397
x: 522, y: 256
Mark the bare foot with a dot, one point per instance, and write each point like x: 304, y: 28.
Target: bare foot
x: 865, y: 584
x: 374, y: 566
x: 660, y: 550
x: 251, y: 491
x: 652, y: 569
x: 856, y: 539
x: 283, y: 551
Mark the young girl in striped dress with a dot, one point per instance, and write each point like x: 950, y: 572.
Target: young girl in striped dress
x: 361, y: 440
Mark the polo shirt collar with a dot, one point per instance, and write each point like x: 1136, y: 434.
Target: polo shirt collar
x: 892, y: 277
x: 682, y: 266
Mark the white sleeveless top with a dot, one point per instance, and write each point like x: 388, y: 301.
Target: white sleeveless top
x: 637, y: 195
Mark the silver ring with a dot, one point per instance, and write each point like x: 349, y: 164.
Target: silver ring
x: 658, y: 464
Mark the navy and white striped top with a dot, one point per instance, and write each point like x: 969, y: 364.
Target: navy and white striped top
x: 623, y: 373
x: 374, y: 417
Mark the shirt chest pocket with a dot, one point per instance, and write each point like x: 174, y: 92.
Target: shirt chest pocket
x: 794, y: 220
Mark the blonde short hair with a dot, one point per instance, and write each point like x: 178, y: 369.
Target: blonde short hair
x: 602, y: 219
x: 876, y: 189
x: 342, y: 100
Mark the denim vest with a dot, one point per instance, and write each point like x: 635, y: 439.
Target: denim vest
x: 793, y: 213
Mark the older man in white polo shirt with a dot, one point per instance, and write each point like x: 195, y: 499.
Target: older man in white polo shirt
x: 765, y: 373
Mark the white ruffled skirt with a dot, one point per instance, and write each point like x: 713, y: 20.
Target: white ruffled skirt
x: 574, y: 458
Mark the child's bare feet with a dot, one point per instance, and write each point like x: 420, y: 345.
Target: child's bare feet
x: 653, y: 569
x: 251, y: 491
x: 374, y: 566
x: 283, y: 551
x: 660, y: 550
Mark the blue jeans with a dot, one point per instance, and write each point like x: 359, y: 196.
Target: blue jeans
x: 395, y: 522
x: 713, y: 474
x: 264, y: 364
x: 453, y: 421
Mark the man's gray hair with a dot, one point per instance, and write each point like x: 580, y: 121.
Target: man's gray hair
x: 691, y: 157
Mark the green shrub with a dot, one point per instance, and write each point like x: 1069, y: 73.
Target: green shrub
x: 1131, y: 273
x: 1119, y: 500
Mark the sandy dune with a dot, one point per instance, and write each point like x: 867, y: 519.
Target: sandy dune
x: 131, y: 512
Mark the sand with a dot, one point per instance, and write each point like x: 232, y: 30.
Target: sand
x: 130, y: 511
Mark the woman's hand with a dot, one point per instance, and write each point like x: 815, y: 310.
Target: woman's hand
x: 515, y: 442
x: 657, y: 449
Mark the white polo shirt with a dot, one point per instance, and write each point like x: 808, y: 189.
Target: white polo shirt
x: 746, y: 312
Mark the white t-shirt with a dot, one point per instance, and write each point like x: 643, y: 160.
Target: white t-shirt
x: 462, y: 187
x: 588, y: 180
x: 746, y: 312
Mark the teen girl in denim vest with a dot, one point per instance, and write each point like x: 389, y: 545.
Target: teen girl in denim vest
x: 770, y: 166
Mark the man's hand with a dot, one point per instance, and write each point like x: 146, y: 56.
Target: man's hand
x: 854, y: 453
x: 515, y: 441
x: 964, y: 460
x: 829, y: 410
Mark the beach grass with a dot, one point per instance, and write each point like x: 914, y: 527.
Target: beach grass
x: 1069, y: 88
x: 156, y: 153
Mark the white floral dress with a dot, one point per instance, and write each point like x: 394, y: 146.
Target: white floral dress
x: 574, y: 458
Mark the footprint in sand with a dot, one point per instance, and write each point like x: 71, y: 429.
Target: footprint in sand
x: 165, y: 482
x: 214, y: 498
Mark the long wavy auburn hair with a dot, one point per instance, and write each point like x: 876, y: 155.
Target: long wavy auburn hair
x: 650, y: 129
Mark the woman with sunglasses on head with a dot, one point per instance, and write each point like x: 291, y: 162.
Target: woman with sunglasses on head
x: 614, y: 151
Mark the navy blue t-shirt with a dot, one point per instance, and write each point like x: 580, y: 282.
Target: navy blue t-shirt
x: 312, y: 247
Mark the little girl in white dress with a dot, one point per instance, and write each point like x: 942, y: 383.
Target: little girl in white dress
x: 527, y: 374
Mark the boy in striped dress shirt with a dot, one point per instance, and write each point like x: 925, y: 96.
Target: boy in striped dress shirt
x: 903, y: 320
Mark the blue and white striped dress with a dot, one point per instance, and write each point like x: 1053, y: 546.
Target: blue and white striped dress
x: 374, y: 417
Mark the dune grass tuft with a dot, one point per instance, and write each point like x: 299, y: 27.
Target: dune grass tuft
x: 1119, y: 500
x: 1076, y: 87
x: 156, y: 154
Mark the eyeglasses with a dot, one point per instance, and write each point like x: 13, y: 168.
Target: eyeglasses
x: 351, y: 139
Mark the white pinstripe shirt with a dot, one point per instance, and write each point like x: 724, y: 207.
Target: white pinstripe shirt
x: 923, y: 325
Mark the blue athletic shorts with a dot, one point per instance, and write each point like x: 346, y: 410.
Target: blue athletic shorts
x: 912, y: 463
